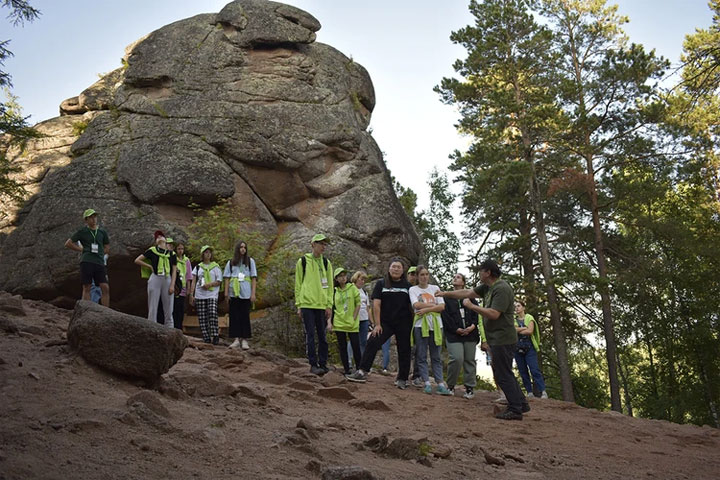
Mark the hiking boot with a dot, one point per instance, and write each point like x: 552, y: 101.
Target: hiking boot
x: 245, y: 344
x: 417, y: 382
x: 544, y: 394
x: 469, y: 393
x: 427, y: 389
x: 401, y: 384
x: 509, y: 415
x: 443, y: 390
x: 525, y: 407
x: 235, y: 344
x: 316, y: 370
x: 359, y: 376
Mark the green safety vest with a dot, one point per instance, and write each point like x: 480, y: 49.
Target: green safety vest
x: 206, y: 272
x: 535, y: 337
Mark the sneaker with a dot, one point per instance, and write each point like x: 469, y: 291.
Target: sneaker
x: 525, y: 407
x: 443, y: 390
x: 324, y: 369
x: 509, y: 415
x: 215, y: 340
x: 245, y: 345
x: 359, y: 376
x: 452, y: 391
x: 235, y: 344
x: 384, y: 372
x: 417, y: 382
x: 469, y: 393
x: 530, y: 395
x: 544, y: 394
x: 316, y: 370
x: 401, y: 384
x: 502, y: 399
x: 427, y: 389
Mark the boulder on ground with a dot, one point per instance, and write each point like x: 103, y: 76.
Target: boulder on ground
x: 123, y: 343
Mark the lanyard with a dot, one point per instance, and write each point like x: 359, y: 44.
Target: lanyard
x: 94, y: 234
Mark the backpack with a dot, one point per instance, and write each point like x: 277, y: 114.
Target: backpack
x: 304, y: 263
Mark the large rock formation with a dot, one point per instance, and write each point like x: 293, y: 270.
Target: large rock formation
x: 242, y: 104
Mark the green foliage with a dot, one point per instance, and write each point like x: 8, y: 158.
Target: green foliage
x: 79, y: 127
x: 483, y: 383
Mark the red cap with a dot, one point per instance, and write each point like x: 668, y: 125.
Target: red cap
x: 159, y: 233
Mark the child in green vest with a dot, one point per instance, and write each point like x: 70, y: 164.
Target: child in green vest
x: 207, y: 277
x: 161, y: 284
x: 344, y: 320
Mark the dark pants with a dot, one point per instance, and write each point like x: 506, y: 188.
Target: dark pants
x: 502, y: 361
x: 402, y: 339
x: 160, y: 313
x: 178, y: 312
x: 342, y: 338
x: 315, y: 322
x: 239, y: 318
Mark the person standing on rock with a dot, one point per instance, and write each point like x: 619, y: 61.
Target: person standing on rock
x: 240, y: 281
x: 344, y: 320
x: 94, y: 241
x: 498, y: 316
x: 428, y: 330
x: 393, y: 316
x: 313, y: 299
x: 161, y: 284
x: 204, y: 291
x: 160, y: 310
x: 460, y: 324
x: 184, y: 271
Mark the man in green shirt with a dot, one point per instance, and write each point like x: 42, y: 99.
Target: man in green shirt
x: 313, y: 299
x: 498, y: 312
x: 95, y: 242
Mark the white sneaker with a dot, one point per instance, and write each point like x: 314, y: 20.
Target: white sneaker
x: 235, y: 344
x: 530, y: 395
x: 245, y: 345
x: 544, y: 394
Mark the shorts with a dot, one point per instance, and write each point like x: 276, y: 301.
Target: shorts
x: 90, y: 272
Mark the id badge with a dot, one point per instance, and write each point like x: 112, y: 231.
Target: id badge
x: 241, y: 277
x: 94, y: 247
x: 324, y: 282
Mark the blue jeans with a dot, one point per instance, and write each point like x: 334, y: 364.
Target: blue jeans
x: 364, y: 328
x: 421, y: 355
x: 314, y: 322
x: 95, y: 293
x: 529, y: 360
x: 386, y: 354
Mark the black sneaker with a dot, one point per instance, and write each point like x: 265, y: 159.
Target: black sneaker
x: 215, y: 340
x: 324, y: 369
x: 316, y: 370
x: 401, y: 384
x: 359, y: 376
x: 525, y: 407
x: 509, y: 415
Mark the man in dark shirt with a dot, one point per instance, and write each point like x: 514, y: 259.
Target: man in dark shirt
x: 498, y: 317
x: 95, y: 242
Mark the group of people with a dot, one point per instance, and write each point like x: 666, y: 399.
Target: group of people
x: 403, y: 304
x: 171, y: 280
x: 422, y: 318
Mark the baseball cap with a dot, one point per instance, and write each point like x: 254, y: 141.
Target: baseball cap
x: 89, y: 212
x: 319, y: 237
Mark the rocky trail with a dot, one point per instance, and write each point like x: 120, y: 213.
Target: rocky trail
x: 225, y: 413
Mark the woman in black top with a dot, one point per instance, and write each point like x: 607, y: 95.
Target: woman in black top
x: 393, y: 316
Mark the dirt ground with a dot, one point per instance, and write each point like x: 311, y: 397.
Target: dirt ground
x: 222, y: 413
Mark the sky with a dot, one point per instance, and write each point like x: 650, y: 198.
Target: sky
x: 404, y: 45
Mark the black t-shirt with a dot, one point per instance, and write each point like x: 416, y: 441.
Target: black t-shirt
x: 154, y: 258
x: 395, y: 301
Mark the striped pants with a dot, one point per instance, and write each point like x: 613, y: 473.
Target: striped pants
x: 207, y: 318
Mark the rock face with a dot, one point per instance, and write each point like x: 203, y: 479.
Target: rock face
x: 242, y: 104
x: 123, y: 343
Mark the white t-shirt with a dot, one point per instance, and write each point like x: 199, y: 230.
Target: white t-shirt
x: 363, y: 315
x: 425, y: 295
x: 215, y: 276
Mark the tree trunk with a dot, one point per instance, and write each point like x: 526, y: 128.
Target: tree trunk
x: 626, y: 387
x: 558, y: 330
x: 608, y: 323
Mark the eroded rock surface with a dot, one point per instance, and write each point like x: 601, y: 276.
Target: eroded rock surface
x: 242, y: 104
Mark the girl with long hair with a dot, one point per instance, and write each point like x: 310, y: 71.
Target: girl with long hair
x: 240, y: 281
